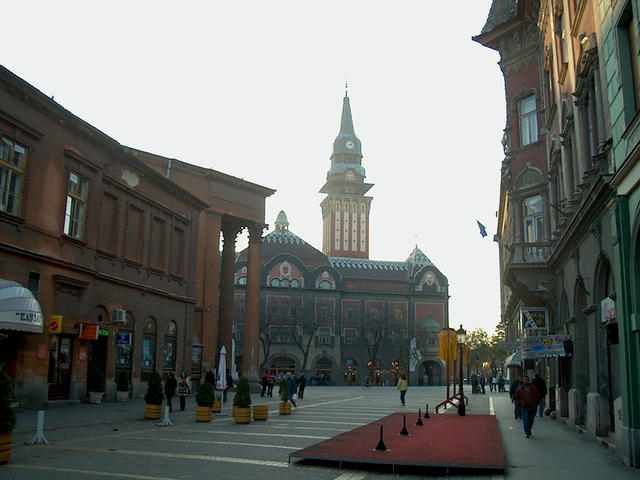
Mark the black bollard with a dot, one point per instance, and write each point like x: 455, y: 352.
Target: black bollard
x: 404, y: 430
x: 419, y: 422
x: 381, y: 445
x: 426, y: 412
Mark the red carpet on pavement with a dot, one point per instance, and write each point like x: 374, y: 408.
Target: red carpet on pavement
x: 444, y: 441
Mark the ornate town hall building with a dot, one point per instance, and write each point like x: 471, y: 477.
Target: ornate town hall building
x: 336, y: 315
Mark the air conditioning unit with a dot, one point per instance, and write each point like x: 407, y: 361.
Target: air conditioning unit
x: 119, y: 316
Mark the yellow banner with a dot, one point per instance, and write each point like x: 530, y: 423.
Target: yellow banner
x: 55, y: 324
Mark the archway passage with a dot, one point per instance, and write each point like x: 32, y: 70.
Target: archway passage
x: 281, y: 365
x: 431, y: 372
x: 324, y: 371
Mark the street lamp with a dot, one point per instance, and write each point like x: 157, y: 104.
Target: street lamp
x: 461, y: 336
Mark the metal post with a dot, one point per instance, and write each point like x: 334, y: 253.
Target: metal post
x: 39, y: 436
x: 461, y: 407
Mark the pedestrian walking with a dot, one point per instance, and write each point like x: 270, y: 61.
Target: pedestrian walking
x: 501, y: 383
x: 483, y: 381
x: 474, y: 384
x: 210, y: 377
x: 272, y: 382
x: 403, y: 386
x: 184, y: 389
x: 292, y: 388
x: 302, y: 383
x: 265, y: 383
x: 515, y: 385
x: 229, y: 386
x: 528, y: 397
x: 494, y: 384
x: 170, y: 389
x: 540, y: 384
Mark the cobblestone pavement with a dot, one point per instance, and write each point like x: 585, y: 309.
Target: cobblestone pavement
x: 112, y: 440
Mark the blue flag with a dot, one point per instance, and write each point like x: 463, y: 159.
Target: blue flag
x: 483, y: 230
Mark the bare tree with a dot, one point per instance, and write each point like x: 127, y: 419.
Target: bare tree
x: 308, y: 327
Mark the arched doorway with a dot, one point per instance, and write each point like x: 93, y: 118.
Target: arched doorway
x: 350, y: 372
x: 281, y: 365
x: 432, y: 372
x: 324, y: 371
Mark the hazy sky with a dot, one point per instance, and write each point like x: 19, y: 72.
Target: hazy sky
x: 254, y: 89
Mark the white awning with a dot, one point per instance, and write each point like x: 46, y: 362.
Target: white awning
x: 513, y: 360
x: 19, y: 310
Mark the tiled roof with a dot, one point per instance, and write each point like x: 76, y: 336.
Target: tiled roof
x: 365, y: 264
x: 501, y: 11
x: 284, y: 236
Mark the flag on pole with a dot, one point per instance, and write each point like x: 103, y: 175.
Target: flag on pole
x: 483, y: 230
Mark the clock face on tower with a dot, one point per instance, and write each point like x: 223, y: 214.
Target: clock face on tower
x: 349, y: 144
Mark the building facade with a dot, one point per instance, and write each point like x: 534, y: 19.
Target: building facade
x: 558, y: 219
x: 123, y: 261
x: 336, y: 315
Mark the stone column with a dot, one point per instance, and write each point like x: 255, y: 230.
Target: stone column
x: 251, y: 348
x: 230, y: 232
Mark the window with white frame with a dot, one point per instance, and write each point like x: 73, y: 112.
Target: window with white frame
x: 349, y: 337
x: 528, y: 120
x: 76, y: 208
x: 13, y: 157
x: 533, y: 219
x: 324, y: 336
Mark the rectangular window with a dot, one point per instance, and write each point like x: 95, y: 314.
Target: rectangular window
x: 108, y: 223
x: 533, y: 218
x: 157, y: 243
x: 177, y: 253
x: 324, y: 336
x: 12, y: 165
x: 629, y: 74
x: 33, y: 283
x: 528, y: 120
x: 349, y: 337
x: 76, y: 209
x: 135, y: 229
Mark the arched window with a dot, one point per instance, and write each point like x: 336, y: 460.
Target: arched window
x: 169, y: 360
x: 275, y: 282
x: 295, y: 283
x: 242, y: 280
x: 325, y: 285
x: 148, y: 349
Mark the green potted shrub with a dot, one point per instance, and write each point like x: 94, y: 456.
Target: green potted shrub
x: 95, y: 385
x: 122, y: 386
x: 7, y: 417
x: 204, y: 399
x: 242, y: 401
x: 285, y: 406
x: 154, y: 397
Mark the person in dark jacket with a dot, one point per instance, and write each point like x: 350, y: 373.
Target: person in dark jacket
x: 515, y: 385
x: 265, y: 383
x: 184, y: 389
x: 540, y: 384
x: 292, y: 388
x: 302, y: 383
x: 170, y: 389
x: 528, y: 397
x: 210, y: 377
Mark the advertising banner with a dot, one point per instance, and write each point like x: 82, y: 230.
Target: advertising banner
x: 544, y: 346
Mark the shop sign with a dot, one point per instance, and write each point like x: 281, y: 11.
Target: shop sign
x: 103, y: 332
x: 534, y: 317
x: 544, y: 346
x: 88, y: 331
x: 55, y: 324
x: 123, y: 338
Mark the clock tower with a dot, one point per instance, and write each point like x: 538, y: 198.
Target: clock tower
x: 345, y: 209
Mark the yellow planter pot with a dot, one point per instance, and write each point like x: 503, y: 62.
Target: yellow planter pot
x: 285, y: 408
x: 242, y: 415
x: 233, y: 410
x: 153, y: 412
x: 203, y: 414
x: 6, y: 442
x: 216, y: 407
x: 260, y: 412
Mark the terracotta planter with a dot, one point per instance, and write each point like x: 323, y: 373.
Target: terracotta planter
x: 6, y: 442
x: 216, y: 407
x: 203, y: 414
x: 233, y: 410
x: 122, y: 396
x: 242, y: 415
x: 285, y: 408
x: 260, y: 412
x: 153, y: 412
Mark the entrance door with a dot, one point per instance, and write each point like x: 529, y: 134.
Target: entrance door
x: 60, y: 355
x: 97, y: 356
x: 282, y: 365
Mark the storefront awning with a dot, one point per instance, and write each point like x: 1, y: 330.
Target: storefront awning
x: 19, y: 310
x: 513, y: 360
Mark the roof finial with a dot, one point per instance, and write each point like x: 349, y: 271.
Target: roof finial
x: 346, y: 88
